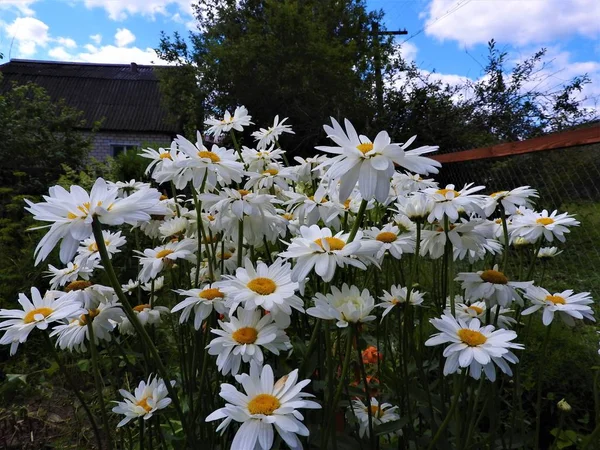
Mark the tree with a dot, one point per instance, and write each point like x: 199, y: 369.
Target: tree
x: 302, y: 59
x: 503, y: 105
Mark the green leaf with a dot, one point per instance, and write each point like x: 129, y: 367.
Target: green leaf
x: 390, y: 427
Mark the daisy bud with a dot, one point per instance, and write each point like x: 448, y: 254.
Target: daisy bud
x: 564, y: 406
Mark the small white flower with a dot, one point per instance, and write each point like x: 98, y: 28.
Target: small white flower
x: 449, y: 202
x: 478, y: 348
x: 146, y: 314
x: 270, y: 135
x: 238, y: 121
x: 242, y: 337
x: 201, y: 302
x: 317, y: 248
x: 492, y: 286
x: 397, y: 296
x: 147, y: 398
x: 155, y: 260
x: 348, y: 305
x: 268, y: 287
x: 510, y: 200
x: 264, y: 406
x: 72, y: 272
x: 568, y: 305
x: 532, y: 225
x: 88, y: 248
x: 380, y: 413
x: 392, y: 240
x: 546, y: 253
x: 39, y: 312
x: 478, y: 310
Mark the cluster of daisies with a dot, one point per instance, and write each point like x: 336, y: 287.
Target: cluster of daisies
x: 254, y: 239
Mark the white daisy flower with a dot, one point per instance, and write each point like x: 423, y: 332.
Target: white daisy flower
x: 309, y: 209
x: 492, y: 286
x: 176, y: 226
x: 380, y: 413
x: 568, y: 305
x: 147, y: 398
x: 131, y: 286
x: 397, y: 296
x: 238, y: 121
x: 317, y: 248
x: 449, y: 202
x: 348, y: 305
x: 510, y: 200
x: 88, y: 248
x: 155, y: 260
x: 463, y: 235
x: 306, y: 169
x: 546, y: 253
x: 89, y: 294
x: 478, y: 310
x: 274, y: 175
x: 147, y: 315
x: 393, y: 241
x: 264, y: 406
x: 417, y: 207
x: 201, y: 302
x: 268, y: 287
x: 478, y: 348
x: 158, y: 156
x: 104, y: 317
x: 72, y: 272
x: 259, y: 160
x: 38, y: 312
x: 532, y: 225
x: 218, y: 165
x: 371, y: 164
x: 270, y: 135
x: 126, y: 188
x: 407, y: 183
x: 242, y: 337
x: 71, y: 214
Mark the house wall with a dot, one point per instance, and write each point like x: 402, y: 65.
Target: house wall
x: 103, y: 141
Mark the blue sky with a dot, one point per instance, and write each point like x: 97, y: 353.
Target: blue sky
x: 447, y: 37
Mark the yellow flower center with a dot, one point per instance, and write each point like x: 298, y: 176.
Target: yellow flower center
x: 140, y: 308
x: 211, y: 294
x: 347, y: 204
x: 243, y: 192
x: 334, y: 243
x: 245, y: 335
x: 556, y: 299
x: 545, y: 221
x: 386, y: 236
x: 77, y: 285
x: 271, y: 172
x: 30, y: 316
x: 375, y: 411
x: 494, y: 277
x: 93, y: 247
x: 288, y: 216
x: 210, y: 217
x: 497, y: 194
x: 477, y: 309
x: 446, y: 191
x: 471, y: 338
x: 163, y: 197
x: 365, y: 147
x: 263, y: 404
x: 262, y: 286
x: 144, y: 404
x: 210, y: 155
x: 83, y: 319
x: 165, y: 156
x: 163, y: 253
x: 225, y: 255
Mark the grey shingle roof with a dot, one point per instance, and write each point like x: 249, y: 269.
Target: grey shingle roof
x: 126, y: 96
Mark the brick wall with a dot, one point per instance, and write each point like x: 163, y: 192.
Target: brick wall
x: 103, y: 141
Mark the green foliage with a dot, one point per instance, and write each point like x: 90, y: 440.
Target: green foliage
x: 299, y: 59
x: 499, y: 106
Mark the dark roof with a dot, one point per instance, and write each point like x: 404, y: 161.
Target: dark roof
x: 126, y: 96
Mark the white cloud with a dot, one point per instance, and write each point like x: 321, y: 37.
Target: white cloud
x: 28, y: 33
x: 124, y: 37
x: 518, y: 22
x: 65, y: 42
x: 119, y: 55
x: 408, y: 51
x: 96, y: 38
x: 21, y: 5
x: 121, y: 9
x: 60, y: 54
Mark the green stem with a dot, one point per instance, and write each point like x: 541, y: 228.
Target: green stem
x: 311, y: 345
x: 450, y: 413
x: 592, y: 438
x: 77, y: 392
x: 363, y: 373
x: 538, y: 407
x: 331, y: 421
x: 97, y: 380
x: 240, y: 242
x: 505, y: 231
x: 139, y: 328
x: 141, y: 422
x: 359, y: 218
